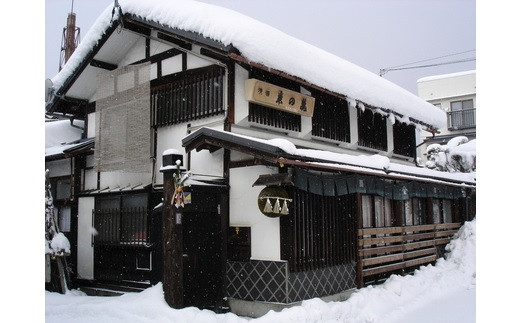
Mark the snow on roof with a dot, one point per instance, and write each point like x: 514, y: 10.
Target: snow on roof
x: 374, y: 164
x: 263, y: 44
x: 60, y: 132
x: 444, y: 76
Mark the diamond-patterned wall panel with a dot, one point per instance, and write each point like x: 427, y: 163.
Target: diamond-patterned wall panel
x: 321, y: 282
x: 270, y: 281
x: 257, y: 280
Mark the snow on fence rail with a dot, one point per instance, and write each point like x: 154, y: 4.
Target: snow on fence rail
x: 397, y: 249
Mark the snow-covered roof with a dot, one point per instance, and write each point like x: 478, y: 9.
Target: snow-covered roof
x: 265, y: 45
x: 60, y: 132
x: 445, y: 76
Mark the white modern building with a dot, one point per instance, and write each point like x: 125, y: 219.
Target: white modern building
x: 456, y: 94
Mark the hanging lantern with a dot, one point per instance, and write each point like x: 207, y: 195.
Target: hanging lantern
x: 281, y: 201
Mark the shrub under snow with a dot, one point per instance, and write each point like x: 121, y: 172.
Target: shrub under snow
x: 458, y: 155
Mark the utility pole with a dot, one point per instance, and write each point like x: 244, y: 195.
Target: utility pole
x: 173, y: 204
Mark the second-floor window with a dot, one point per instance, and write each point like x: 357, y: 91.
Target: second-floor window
x: 189, y: 95
x: 372, y: 130
x: 404, y: 139
x: 461, y: 115
x: 331, y: 118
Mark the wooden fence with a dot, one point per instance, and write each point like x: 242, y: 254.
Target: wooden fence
x: 398, y: 249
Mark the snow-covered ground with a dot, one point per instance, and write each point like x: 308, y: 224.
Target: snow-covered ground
x: 443, y: 293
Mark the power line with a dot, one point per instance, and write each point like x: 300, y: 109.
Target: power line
x: 398, y: 68
x: 431, y: 59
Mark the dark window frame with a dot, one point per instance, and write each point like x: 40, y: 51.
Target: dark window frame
x: 372, y: 130
x: 54, y: 187
x: 462, y: 118
x: 404, y: 139
x: 119, y: 224
x: 387, y: 217
x: 188, y: 95
x: 331, y: 119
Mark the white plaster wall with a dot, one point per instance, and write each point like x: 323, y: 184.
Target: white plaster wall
x: 90, y: 179
x: 171, y: 65
x: 241, y: 105
x: 157, y: 47
x: 136, y: 53
x: 449, y: 86
x: 194, y: 61
x: 389, y: 137
x: 265, y: 231
x: 91, y: 125
x: 206, y: 163
x: 202, y: 162
x: 58, y: 167
x: 85, y: 250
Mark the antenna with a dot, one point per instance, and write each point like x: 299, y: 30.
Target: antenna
x: 70, y: 38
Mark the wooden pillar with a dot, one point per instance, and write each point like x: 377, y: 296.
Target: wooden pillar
x: 172, y: 240
x: 359, y: 225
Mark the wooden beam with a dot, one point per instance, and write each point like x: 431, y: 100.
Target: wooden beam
x: 103, y: 65
x: 174, y: 40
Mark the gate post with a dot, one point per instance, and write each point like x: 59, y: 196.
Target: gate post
x: 173, y: 282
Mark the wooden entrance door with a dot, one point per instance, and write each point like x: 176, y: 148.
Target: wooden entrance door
x: 202, y: 262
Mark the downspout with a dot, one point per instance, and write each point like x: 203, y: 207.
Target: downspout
x: 419, y: 145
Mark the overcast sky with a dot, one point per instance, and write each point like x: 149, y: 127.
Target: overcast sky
x: 374, y: 34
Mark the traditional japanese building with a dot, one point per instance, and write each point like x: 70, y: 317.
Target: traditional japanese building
x: 303, y: 176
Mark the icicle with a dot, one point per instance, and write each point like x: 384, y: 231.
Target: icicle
x: 285, y: 208
x: 276, y: 209
x: 268, y: 207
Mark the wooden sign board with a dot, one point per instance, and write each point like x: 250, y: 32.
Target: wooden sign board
x: 279, y: 98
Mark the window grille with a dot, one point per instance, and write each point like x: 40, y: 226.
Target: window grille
x: 121, y: 220
x: 274, y: 118
x: 331, y: 118
x: 404, y: 139
x: 319, y: 232
x: 372, y: 130
x: 188, y: 96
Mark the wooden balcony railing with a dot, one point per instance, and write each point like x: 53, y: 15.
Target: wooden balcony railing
x: 396, y: 249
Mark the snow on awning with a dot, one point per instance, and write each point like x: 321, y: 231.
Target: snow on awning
x: 69, y: 150
x: 282, y: 151
x: 261, y: 44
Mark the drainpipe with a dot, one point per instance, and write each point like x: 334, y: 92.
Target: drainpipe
x: 415, y: 151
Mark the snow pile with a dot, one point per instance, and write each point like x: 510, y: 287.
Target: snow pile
x: 399, y: 294
x: 398, y: 299
x: 59, y: 244
x: 263, y: 44
x: 458, y: 155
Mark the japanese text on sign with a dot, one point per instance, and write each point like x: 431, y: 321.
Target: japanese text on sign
x: 276, y: 97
